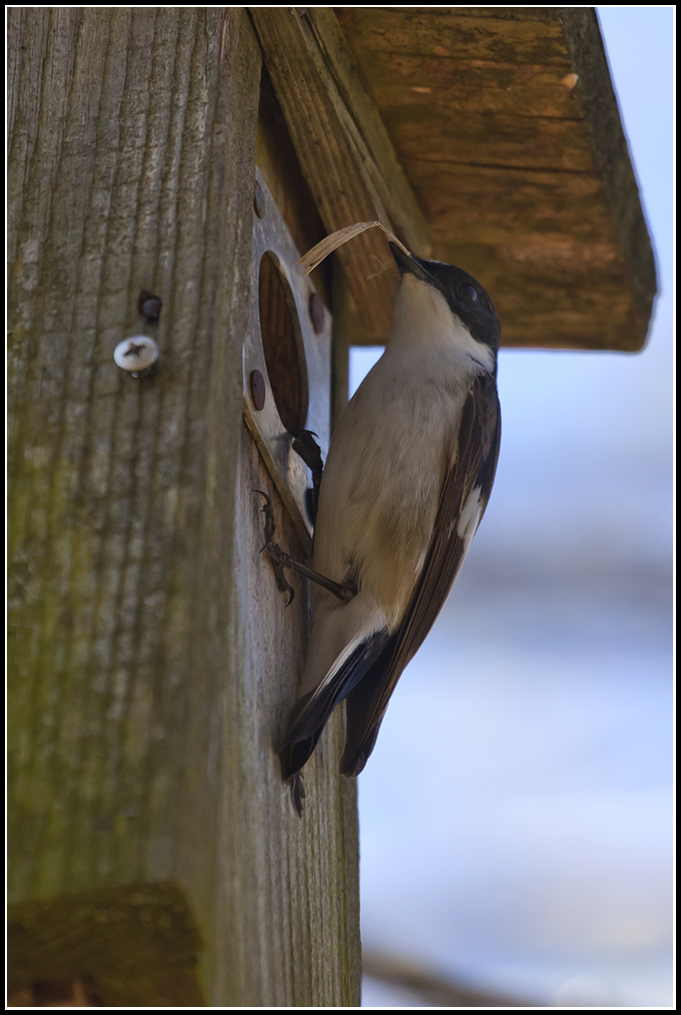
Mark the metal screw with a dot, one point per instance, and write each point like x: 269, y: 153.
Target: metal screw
x: 316, y: 311
x: 149, y: 306
x: 258, y: 389
x: 259, y: 201
x: 136, y: 354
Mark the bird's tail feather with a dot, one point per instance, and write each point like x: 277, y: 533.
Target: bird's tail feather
x: 362, y: 720
x: 312, y: 712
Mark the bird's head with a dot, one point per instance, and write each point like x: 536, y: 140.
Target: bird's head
x: 466, y: 298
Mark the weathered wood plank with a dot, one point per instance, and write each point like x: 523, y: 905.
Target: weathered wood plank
x: 133, y: 943
x: 507, y: 126
x: 431, y: 133
x: 308, y: 893
x: 504, y: 13
x: 341, y: 194
x: 151, y: 661
x: 357, y: 113
x: 611, y: 154
x: 333, y: 155
x: 494, y: 204
x: 458, y: 33
x: 278, y: 162
x: 476, y: 86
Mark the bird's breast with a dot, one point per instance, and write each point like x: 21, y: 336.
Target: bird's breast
x: 383, y: 477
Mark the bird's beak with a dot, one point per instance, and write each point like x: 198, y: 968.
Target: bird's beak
x: 413, y: 265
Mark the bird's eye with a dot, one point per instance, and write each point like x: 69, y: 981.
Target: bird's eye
x: 468, y: 293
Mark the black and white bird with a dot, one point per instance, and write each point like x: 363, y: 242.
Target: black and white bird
x: 407, y: 479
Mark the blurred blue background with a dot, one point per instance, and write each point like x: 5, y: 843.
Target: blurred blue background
x: 516, y: 813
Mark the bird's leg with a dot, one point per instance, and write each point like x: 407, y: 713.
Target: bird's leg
x: 280, y: 560
x: 278, y: 557
x: 270, y: 527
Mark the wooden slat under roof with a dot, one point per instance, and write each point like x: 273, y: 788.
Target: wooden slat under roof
x: 506, y: 124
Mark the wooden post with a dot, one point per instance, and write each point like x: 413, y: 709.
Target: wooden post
x: 155, y: 856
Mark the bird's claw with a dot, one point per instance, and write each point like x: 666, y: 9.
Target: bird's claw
x: 279, y: 561
x: 273, y: 551
x: 268, y: 511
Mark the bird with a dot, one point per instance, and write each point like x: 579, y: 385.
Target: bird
x: 408, y: 475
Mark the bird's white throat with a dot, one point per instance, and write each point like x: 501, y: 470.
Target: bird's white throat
x: 424, y: 318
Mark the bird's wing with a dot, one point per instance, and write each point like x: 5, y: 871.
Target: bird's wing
x: 463, y: 500
x: 312, y: 712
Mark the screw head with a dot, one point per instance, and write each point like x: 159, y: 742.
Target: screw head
x: 149, y: 306
x: 135, y: 353
x: 316, y: 310
x: 258, y: 201
x: 258, y: 389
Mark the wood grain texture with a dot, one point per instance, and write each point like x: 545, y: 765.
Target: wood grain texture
x: 459, y: 33
x: 151, y: 661
x: 134, y: 943
x: 278, y: 162
x: 426, y: 133
x: 610, y: 152
x: 306, y: 893
x: 341, y: 171
x: 506, y: 124
x: 364, y: 127
x: 473, y: 85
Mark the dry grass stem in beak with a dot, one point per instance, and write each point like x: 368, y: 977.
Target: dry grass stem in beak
x: 321, y: 250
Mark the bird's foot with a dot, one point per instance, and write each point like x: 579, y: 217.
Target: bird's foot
x: 280, y: 560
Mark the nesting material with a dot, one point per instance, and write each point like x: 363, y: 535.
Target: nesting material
x: 314, y: 257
